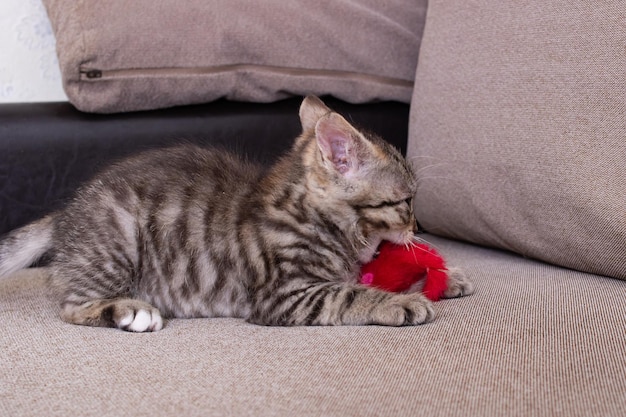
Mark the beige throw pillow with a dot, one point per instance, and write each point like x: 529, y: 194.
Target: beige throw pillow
x: 518, y: 128
x: 121, y: 55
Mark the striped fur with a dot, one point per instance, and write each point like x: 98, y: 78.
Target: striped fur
x: 191, y: 232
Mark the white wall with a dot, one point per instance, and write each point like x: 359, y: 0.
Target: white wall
x: 29, y: 70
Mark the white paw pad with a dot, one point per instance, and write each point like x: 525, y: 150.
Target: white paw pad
x: 142, y: 321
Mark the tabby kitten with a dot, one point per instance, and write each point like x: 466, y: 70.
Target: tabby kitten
x: 191, y: 232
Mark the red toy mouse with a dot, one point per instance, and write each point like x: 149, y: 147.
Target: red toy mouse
x: 397, y: 268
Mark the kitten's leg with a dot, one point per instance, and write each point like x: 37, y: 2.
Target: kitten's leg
x: 341, y: 304
x: 389, y: 309
x: 123, y: 313
x: 458, y: 284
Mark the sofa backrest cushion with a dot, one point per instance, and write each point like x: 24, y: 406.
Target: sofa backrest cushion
x: 518, y: 128
x: 121, y: 55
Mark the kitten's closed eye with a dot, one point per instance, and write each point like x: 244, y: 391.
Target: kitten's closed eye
x: 384, y: 204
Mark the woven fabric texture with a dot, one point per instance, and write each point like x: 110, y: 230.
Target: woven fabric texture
x: 120, y: 56
x: 534, y: 340
x: 518, y: 129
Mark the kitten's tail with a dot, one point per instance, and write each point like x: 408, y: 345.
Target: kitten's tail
x: 24, y: 246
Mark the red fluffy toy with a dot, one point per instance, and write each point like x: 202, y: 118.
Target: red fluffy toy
x: 397, y: 268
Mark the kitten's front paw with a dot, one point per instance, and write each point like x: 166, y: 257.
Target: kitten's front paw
x: 458, y: 284
x: 405, y: 310
x: 137, y: 316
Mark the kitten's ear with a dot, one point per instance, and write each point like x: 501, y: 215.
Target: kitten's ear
x: 339, y: 143
x: 312, y: 110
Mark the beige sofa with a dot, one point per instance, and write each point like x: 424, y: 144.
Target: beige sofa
x: 534, y: 340
x: 518, y: 129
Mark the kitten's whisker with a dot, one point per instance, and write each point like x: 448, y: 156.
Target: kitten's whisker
x: 417, y: 240
x: 437, y: 177
x: 424, y: 168
x: 422, y: 180
x: 359, y: 236
x: 423, y: 156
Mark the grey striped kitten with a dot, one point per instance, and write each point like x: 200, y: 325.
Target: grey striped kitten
x: 191, y: 232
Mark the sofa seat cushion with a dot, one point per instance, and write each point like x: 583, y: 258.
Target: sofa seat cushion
x: 518, y: 126
x: 134, y: 55
x: 534, y: 339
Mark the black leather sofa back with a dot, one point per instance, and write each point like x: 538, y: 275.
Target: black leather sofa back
x: 48, y: 149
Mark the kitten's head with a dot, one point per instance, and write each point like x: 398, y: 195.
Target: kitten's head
x: 361, y: 173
